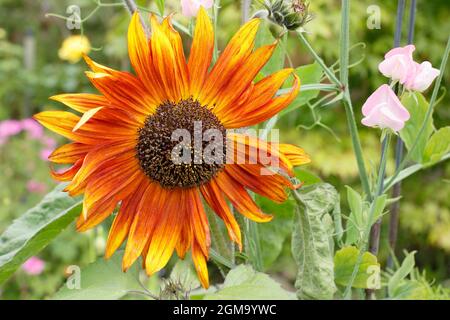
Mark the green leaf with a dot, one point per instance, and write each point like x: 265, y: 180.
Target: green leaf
x: 359, y: 215
x: 437, y: 146
x: 101, y: 280
x: 31, y: 232
x: 274, y: 233
x: 244, y: 283
x: 368, y: 273
x: 308, y: 74
x: 160, y: 4
x: 312, y: 241
x: 417, y: 106
x: 396, y: 280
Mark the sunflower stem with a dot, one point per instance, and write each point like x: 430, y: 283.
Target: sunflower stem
x: 221, y: 255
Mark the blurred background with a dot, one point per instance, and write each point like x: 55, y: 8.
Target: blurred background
x: 35, y: 63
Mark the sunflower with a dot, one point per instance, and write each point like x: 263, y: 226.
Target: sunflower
x: 122, y: 142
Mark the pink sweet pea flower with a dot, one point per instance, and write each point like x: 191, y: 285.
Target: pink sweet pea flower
x: 9, y: 128
x: 36, y: 186
x: 189, y: 8
x: 383, y: 109
x: 398, y: 63
x: 34, y: 129
x: 33, y: 266
x: 422, y: 77
x: 45, y: 153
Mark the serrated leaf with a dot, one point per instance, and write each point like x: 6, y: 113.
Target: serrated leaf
x: 417, y: 106
x: 31, y: 232
x: 102, y: 280
x: 244, y: 283
x: 437, y: 146
x: 311, y: 241
x: 368, y: 275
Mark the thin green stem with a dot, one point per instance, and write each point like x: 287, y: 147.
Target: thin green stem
x: 319, y: 60
x: 427, y: 116
x: 344, y: 60
x: 378, y: 193
x: 216, y: 9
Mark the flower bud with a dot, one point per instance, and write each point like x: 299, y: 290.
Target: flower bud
x: 290, y: 14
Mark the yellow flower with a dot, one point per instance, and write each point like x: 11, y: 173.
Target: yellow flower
x: 122, y: 147
x: 73, y: 48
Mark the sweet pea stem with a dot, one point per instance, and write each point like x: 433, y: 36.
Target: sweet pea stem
x: 378, y: 192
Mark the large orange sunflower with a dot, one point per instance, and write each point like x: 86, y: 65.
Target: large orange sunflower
x: 122, y: 142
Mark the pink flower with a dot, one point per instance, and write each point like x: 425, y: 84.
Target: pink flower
x: 34, y: 129
x: 383, y: 109
x: 9, y: 128
x: 45, y: 153
x: 189, y: 8
x: 36, y: 186
x: 398, y: 63
x: 50, y: 143
x: 422, y: 77
x: 33, y: 266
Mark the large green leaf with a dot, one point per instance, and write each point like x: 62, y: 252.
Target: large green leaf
x: 312, y: 241
x: 368, y: 275
x: 279, y: 229
x: 437, y: 146
x: 308, y: 74
x: 102, y: 280
x: 417, y: 106
x: 30, y: 233
x: 244, y: 283
x: 275, y: 233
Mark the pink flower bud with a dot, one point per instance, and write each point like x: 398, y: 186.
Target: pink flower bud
x: 398, y: 63
x: 33, y: 266
x: 189, y: 8
x: 383, y: 109
x: 422, y: 77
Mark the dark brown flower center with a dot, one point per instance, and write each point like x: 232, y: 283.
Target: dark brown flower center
x: 181, y: 145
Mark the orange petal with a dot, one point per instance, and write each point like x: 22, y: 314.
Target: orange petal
x: 248, y: 149
x: 122, y: 222
x: 143, y: 224
x: 81, y: 102
x: 199, y: 221
x: 69, y: 153
x: 165, y: 61
x: 214, y: 197
x: 68, y: 174
x: 180, y: 59
x: 296, y: 155
x: 200, y: 265
x: 201, y: 52
x: 166, y: 233
x: 269, y: 186
x: 258, y: 113
x: 261, y: 93
x: 242, y: 78
x: 238, y: 49
x: 141, y: 59
x: 240, y: 199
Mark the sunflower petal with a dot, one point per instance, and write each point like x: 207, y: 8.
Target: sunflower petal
x: 200, y: 265
x: 69, y: 153
x: 238, y: 49
x: 81, y: 102
x: 201, y: 52
x: 240, y: 199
